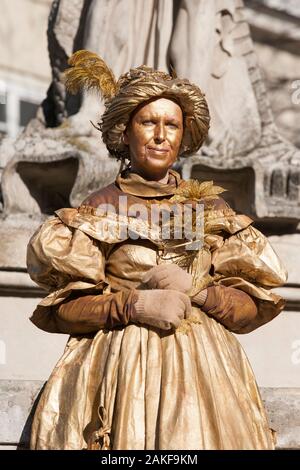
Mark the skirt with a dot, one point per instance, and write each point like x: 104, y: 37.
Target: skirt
x: 138, y: 387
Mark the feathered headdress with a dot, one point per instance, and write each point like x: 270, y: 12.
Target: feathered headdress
x: 139, y: 85
x: 88, y: 71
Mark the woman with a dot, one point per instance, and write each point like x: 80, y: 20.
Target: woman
x: 152, y: 362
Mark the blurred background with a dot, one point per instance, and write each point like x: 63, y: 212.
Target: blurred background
x: 25, y: 71
x: 34, y: 182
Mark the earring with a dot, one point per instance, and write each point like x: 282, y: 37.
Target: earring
x: 123, y: 140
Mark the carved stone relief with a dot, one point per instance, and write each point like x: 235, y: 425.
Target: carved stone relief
x: 208, y: 42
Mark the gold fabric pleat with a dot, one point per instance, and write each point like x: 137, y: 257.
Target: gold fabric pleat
x: 134, y: 184
x: 192, y: 390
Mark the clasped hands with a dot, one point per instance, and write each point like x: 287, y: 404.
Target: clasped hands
x: 167, y: 302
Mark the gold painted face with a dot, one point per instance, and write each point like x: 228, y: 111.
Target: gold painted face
x: 154, y: 137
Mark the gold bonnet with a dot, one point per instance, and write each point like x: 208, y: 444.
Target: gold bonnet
x: 132, y: 89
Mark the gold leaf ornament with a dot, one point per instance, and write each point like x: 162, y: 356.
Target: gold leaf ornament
x: 88, y: 71
x: 194, y: 190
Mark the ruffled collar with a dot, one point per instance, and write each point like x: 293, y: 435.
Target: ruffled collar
x: 132, y: 183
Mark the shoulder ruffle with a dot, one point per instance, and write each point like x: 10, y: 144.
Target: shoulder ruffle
x: 247, y: 261
x: 109, y: 227
x: 61, y: 259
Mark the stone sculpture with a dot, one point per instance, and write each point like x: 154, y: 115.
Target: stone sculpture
x: 59, y: 158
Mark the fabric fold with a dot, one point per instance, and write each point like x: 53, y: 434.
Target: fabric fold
x: 136, y: 387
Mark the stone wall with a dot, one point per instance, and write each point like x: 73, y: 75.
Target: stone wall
x: 18, y: 400
x: 281, y: 71
x: 275, y: 29
x: 23, y: 45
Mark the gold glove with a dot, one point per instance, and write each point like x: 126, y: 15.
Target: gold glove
x: 161, y: 309
x: 168, y: 276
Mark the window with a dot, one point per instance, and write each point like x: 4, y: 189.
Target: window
x: 2, y: 107
x: 27, y: 112
x: 3, y: 115
x: 18, y: 105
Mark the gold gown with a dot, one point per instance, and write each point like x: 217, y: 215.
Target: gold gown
x: 137, y: 387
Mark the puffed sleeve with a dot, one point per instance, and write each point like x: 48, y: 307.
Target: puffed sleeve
x: 247, y: 261
x: 62, y: 259
x: 70, y: 264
